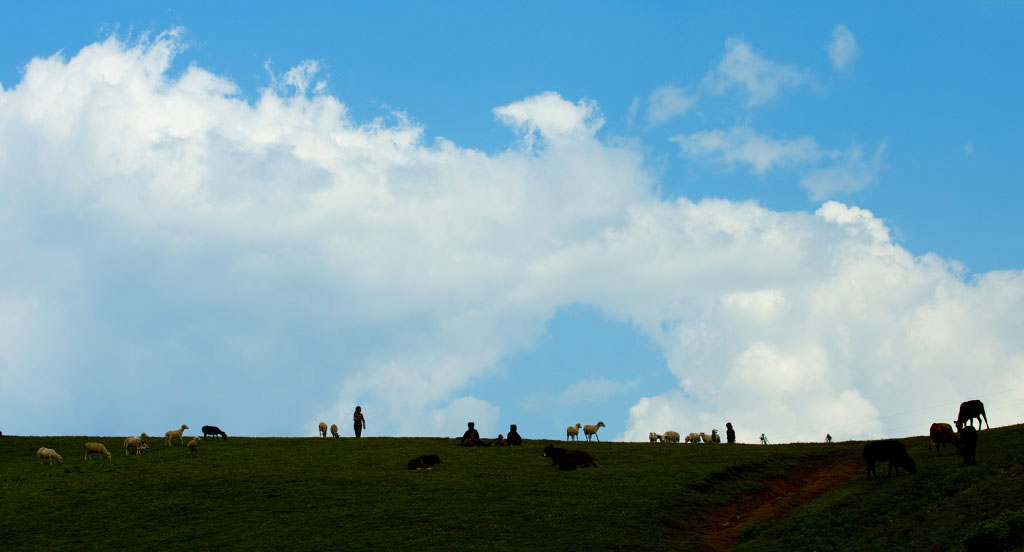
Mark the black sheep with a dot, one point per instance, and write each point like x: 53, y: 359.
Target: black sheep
x: 215, y: 431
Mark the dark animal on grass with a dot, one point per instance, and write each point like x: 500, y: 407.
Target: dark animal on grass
x: 969, y: 410
x: 889, y: 450
x: 567, y: 460
x: 940, y: 435
x: 215, y: 431
x: 425, y: 462
x: 969, y: 445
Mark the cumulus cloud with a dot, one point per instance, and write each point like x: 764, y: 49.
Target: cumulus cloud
x: 842, y: 50
x: 760, y: 79
x: 744, y: 145
x: 283, y: 262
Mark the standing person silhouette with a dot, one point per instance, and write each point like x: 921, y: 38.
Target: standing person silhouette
x: 730, y: 433
x: 358, y: 421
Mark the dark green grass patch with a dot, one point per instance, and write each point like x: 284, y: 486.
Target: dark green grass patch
x: 310, y: 493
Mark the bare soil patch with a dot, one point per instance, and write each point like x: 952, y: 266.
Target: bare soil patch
x: 721, y: 530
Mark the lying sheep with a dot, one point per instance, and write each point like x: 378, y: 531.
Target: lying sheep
x: 693, y: 438
x: 96, y: 448
x: 670, y: 437
x: 49, y: 454
x: 323, y: 429
x: 591, y: 430
x: 176, y: 433
x: 654, y: 436
x: 573, y: 432
x: 334, y: 431
x: 193, y: 447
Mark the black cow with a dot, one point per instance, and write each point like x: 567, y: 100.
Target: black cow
x: 569, y: 459
x: 425, y: 462
x: 889, y: 450
x: 969, y: 445
x: 969, y: 410
x: 215, y: 431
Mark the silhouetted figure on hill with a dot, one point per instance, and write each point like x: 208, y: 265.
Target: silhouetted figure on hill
x: 514, y: 439
x: 358, y: 421
x: 764, y: 440
x: 471, y: 438
x: 828, y: 438
x: 730, y: 433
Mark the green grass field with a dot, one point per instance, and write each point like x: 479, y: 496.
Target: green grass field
x: 348, y: 494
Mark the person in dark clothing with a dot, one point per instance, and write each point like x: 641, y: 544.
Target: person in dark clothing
x: 358, y: 421
x: 471, y: 438
x: 514, y: 439
x: 730, y: 433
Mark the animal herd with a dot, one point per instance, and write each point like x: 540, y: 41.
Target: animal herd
x: 696, y: 437
x: 136, y: 444
x: 940, y: 434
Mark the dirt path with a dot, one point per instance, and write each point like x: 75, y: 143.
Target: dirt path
x: 802, y: 485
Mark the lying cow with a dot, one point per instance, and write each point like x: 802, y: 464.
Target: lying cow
x: 889, y: 450
x: 940, y: 435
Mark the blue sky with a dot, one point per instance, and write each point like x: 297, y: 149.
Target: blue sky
x: 663, y: 217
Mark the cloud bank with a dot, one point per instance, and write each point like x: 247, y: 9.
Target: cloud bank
x: 271, y: 263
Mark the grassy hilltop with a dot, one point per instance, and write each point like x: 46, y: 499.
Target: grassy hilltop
x: 349, y: 494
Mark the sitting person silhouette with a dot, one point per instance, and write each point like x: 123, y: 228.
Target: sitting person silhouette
x: 471, y: 438
x: 514, y: 439
x: 500, y: 442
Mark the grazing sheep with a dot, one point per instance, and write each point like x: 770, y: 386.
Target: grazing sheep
x: 334, y: 431
x: 425, y: 462
x: 215, y: 431
x: 693, y: 438
x: 573, y: 432
x: 323, y: 429
x: 715, y: 437
x: 591, y: 430
x: 143, y: 448
x: 96, y: 448
x: 567, y: 460
x: 176, y: 433
x: 670, y: 437
x: 969, y: 445
x: 654, y: 436
x: 889, y: 450
x: 969, y: 410
x: 49, y: 454
x: 132, y: 443
x: 193, y: 447
x: 940, y: 434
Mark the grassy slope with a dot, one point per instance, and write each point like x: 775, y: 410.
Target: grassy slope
x: 313, y: 493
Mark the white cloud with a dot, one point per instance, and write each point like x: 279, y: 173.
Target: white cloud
x: 850, y: 172
x: 163, y: 234
x: 744, y: 145
x: 842, y: 50
x: 668, y: 102
x: 760, y: 79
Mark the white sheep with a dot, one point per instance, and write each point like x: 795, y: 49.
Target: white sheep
x: 715, y: 437
x: 132, y: 443
x: 670, y: 437
x: 704, y: 437
x: 193, y: 447
x: 334, y: 431
x: 176, y: 433
x: 49, y: 454
x: 143, y: 448
x: 591, y: 430
x: 573, y: 432
x: 654, y: 436
x: 323, y: 429
x: 693, y: 438
x: 96, y: 448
